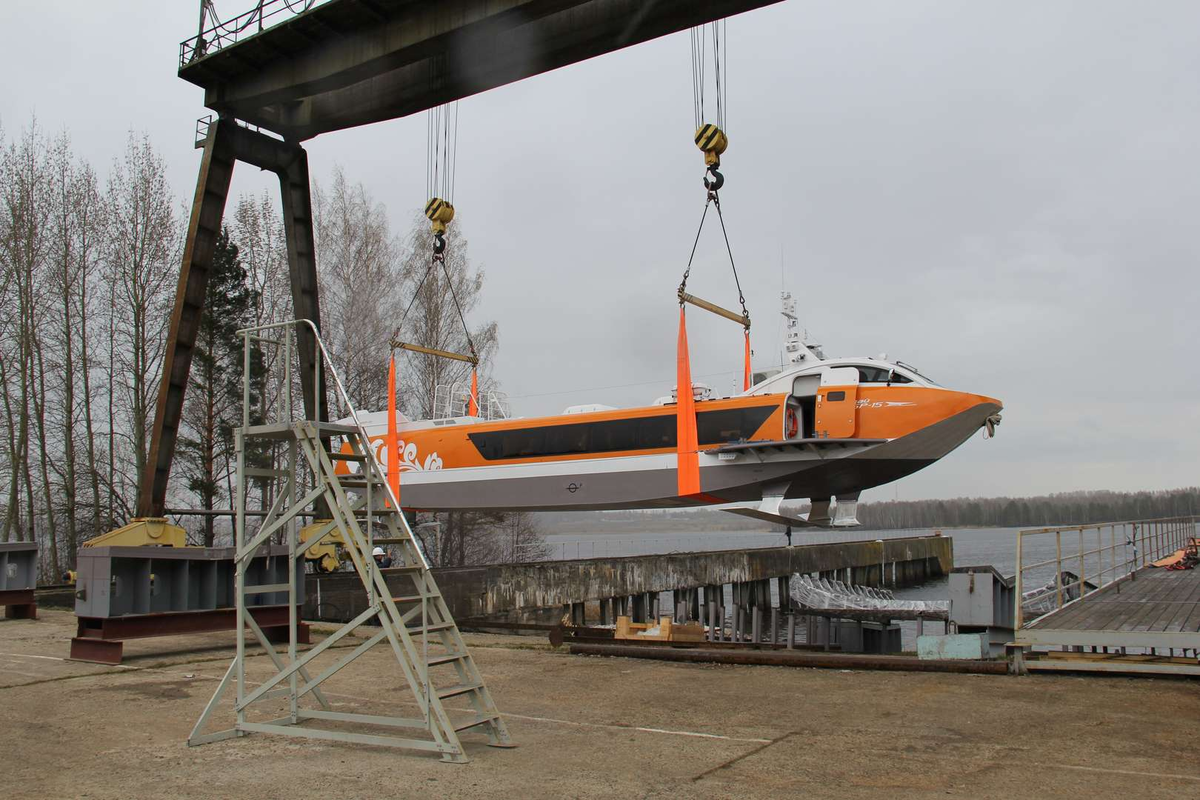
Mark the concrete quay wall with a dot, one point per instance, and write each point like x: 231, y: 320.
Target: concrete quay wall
x: 504, y: 588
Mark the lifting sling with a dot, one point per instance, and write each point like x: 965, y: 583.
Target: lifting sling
x: 442, y: 154
x: 687, y: 443
x: 712, y: 140
x: 393, y: 438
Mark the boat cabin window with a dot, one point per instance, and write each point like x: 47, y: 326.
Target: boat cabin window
x: 718, y: 426
x: 880, y: 375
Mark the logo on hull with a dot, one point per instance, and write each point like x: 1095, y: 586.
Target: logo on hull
x: 865, y: 403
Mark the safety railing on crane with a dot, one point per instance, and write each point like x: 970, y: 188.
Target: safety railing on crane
x: 1058, y: 566
x: 222, y: 33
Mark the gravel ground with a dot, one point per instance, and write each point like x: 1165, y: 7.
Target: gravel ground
x: 597, y: 727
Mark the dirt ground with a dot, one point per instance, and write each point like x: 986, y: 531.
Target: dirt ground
x: 597, y: 727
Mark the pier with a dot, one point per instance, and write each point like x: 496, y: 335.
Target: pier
x: 634, y: 585
x: 1115, y: 611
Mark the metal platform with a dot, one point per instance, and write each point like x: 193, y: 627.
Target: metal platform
x: 1153, y: 608
x: 1135, y: 618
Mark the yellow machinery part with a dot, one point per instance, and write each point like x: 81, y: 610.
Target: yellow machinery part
x: 141, y: 532
x: 440, y: 213
x: 323, y: 555
x: 712, y: 141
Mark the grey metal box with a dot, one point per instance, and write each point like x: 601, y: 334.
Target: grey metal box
x: 121, y: 581
x: 18, y: 566
x: 980, y: 597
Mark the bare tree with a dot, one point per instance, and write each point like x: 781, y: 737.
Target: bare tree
x: 26, y: 201
x: 89, y: 227
x: 362, y: 280
x: 141, y: 268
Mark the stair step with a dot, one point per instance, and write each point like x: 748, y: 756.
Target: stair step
x: 358, y: 483
x: 413, y: 598
x: 437, y: 626
x: 336, y: 428
x: 476, y: 722
x: 347, y: 457
x: 457, y: 689
x: 445, y: 659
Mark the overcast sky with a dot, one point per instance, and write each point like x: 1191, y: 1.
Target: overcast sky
x: 1003, y: 194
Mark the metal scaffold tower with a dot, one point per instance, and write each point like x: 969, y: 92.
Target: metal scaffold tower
x: 333, y: 468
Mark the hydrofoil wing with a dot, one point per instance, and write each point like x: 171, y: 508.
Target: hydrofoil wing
x: 767, y: 516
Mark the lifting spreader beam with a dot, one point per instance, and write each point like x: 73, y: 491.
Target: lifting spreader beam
x: 416, y: 348
x: 741, y: 319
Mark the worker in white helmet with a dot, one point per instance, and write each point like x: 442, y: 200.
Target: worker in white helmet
x: 381, y: 558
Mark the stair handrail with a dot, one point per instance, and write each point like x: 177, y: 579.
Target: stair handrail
x: 328, y: 362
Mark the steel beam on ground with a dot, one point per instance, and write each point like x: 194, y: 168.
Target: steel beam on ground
x: 19, y: 604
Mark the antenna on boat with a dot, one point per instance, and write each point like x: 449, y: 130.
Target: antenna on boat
x: 796, y: 345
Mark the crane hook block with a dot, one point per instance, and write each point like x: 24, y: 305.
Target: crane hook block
x: 440, y: 213
x: 712, y: 141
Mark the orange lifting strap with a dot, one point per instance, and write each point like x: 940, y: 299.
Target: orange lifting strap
x: 746, y: 378
x: 687, y: 441
x: 473, y: 402
x: 392, y: 442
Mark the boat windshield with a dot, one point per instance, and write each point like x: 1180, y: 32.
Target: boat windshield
x: 917, y: 372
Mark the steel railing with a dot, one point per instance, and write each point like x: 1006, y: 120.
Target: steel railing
x: 322, y: 365
x: 450, y: 401
x: 1088, y: 559
x: 220, y: 34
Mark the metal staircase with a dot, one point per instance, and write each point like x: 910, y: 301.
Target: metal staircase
x: 408, y: 613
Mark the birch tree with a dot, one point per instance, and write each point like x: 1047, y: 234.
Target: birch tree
x: 141, y: 267
x: 362, y: 280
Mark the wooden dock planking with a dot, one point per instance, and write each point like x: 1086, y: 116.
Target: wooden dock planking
x: 1192, y: 621
x: 1148, y: 605
x: 1158, y: 600
x: 1184, y: 605
x: 1183, y: 597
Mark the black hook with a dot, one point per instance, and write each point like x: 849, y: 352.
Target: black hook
x: 718, y: 180
x: 439, y: 244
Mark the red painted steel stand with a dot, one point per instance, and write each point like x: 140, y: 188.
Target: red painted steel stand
x: 100, y: 640
x: 18, y: 604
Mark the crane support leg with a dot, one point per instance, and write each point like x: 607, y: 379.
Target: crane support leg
x: 225, y: 144
x: 212, y: 187
x: 302, y: 267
